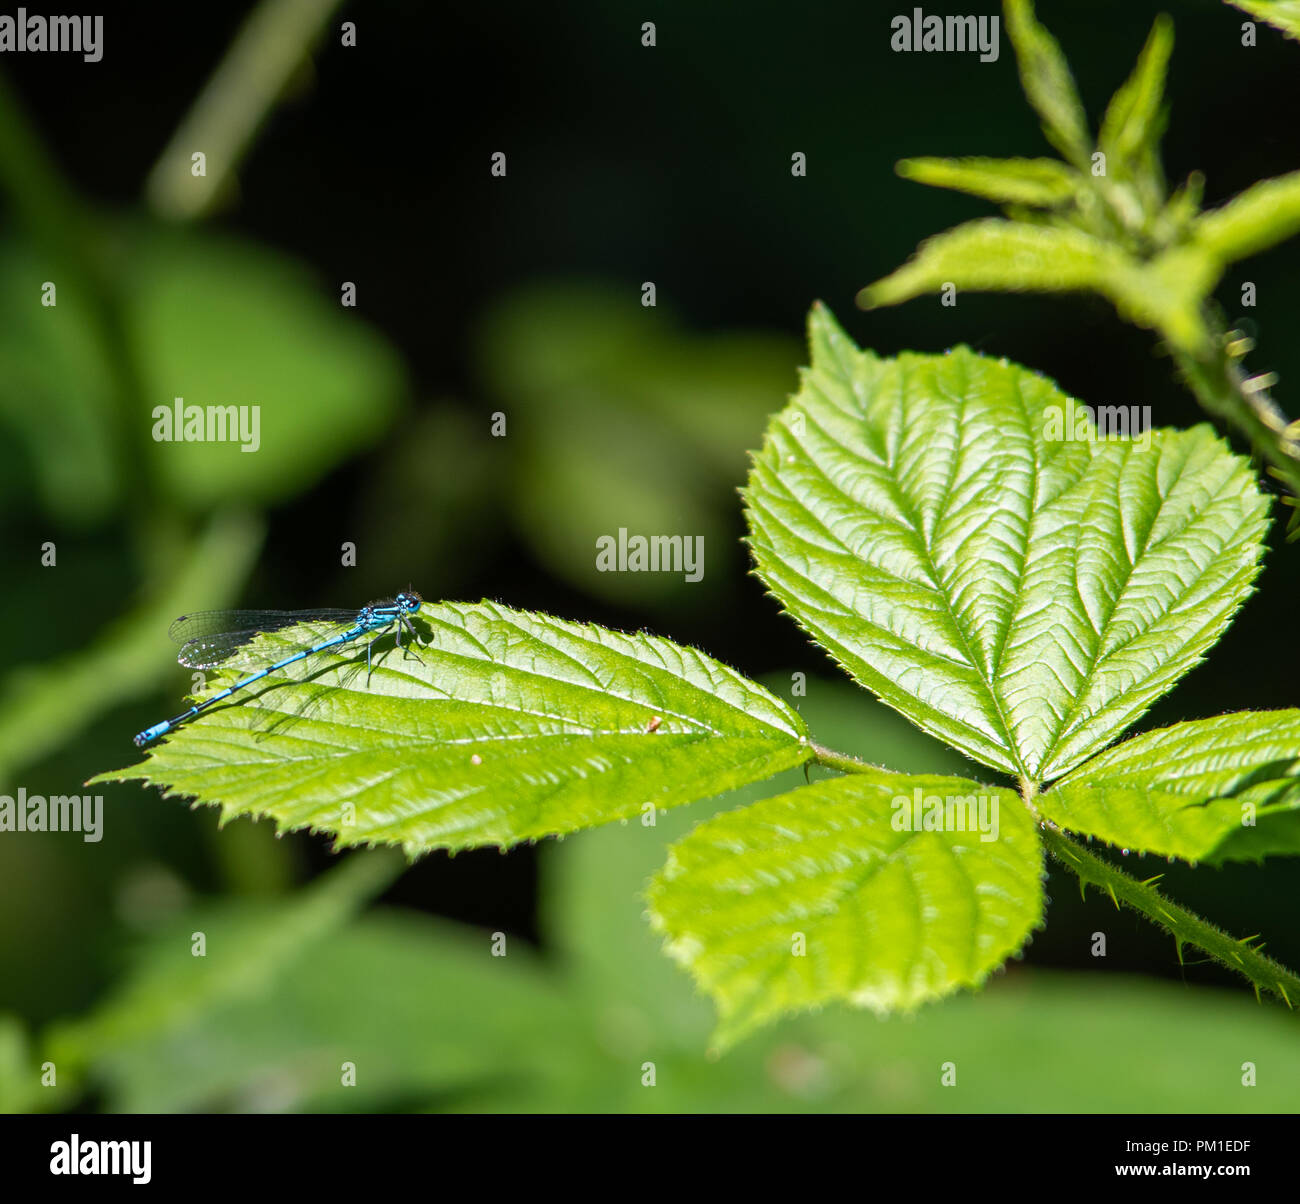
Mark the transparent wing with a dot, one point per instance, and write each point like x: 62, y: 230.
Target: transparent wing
x: 342, y: 674
x: 208, y: 637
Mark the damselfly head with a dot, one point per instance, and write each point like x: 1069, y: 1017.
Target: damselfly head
x: 410, y: 600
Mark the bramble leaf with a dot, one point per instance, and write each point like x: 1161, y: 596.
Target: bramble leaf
x: 1265, y: 214
x: 1152, y: 256
x: 1220, y: 789
x: 1038, y: 182
x: 509, y: 726
x: 1131, y: 128
x: 954, y: 532
x: 992, y: 254
x: 813, y: 897
x: 1048, y: 84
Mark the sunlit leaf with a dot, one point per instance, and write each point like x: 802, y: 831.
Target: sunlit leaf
x: 1265, y: 214
x: 816, y: 896
x: 1048, y: 83
x: 993, y: 254
x: 593, y: 885
x: 1223, y: 788
x: 1021, y: 592
x: 1131, y: 128
x: 508, y: 726
x: 1037, y: 182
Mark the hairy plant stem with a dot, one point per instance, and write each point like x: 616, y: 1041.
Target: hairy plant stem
x: 1225, y: 390
x: 830, y: 759
x: 1184, y: 926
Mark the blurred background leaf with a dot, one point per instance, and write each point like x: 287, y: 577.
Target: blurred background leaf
x: 54, y: 396
x: 217, y: 322
x: 19, y: 1079
x: 222, y: 323
x: 622, y: 419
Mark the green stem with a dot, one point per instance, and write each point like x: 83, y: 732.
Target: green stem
x: 1186, y: 927
x: 830, y: 759
x: 1227, y: 391
x: 271, y: 46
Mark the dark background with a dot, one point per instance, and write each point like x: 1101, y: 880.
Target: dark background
x: 629, y: 164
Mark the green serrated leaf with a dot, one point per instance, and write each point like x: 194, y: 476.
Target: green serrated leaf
x: 510, y: 726
x: 1046, y: 78
x: 1221, y: 789
x: 1131, y: 128
x: 1020, y: 592
x: 1265, y: 214
x: 1037, y: 182
x: 814, y: 897
x: 1142, y: 819
x: 1281, y: 14
x: 993, y: 254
